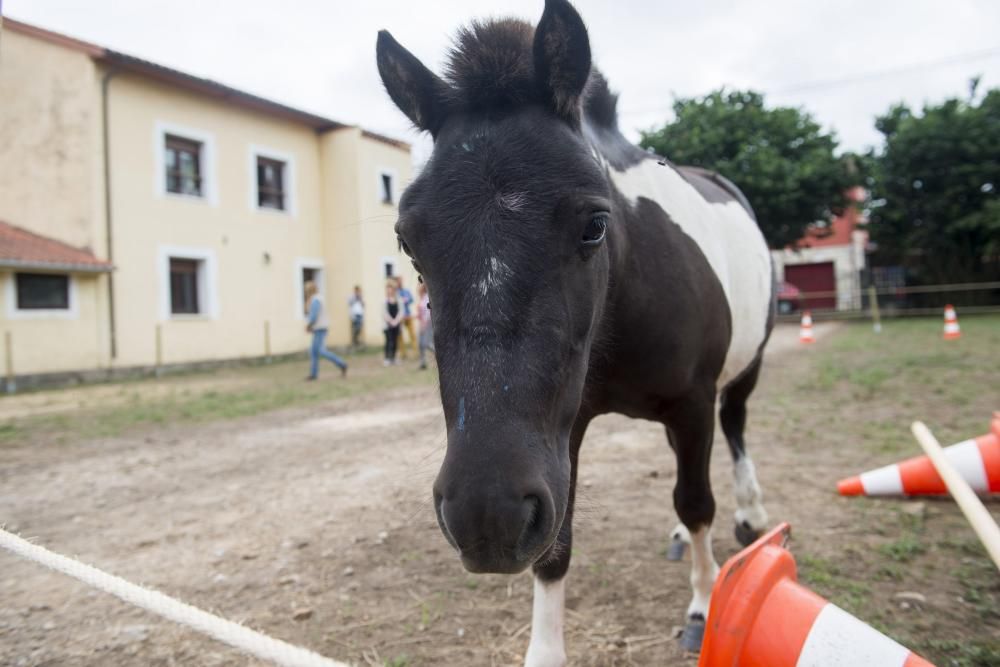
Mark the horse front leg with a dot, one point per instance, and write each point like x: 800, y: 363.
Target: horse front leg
x: 547, y: 647
x: 690, y: 429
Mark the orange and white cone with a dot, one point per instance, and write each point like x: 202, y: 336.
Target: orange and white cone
x: 951, y: 329
x: 761, y: 617
x: 806, y: 330
x: 977, y: 460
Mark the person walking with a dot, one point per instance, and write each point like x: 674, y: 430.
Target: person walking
x: 318, y: 325
x: 424, y: 321
x: 406, y: 299
x: 393, y: 315
x: 356, y: 305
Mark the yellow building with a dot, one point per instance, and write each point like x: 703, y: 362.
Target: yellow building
x: 156, y: 218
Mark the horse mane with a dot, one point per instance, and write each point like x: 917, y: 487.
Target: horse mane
x: 491, y: 66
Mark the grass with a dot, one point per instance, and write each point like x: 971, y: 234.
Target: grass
x: 850, y: 411
x: 184, y: 399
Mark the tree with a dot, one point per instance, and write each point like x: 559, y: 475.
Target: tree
x: 936, y: 191
x: 780, y: 158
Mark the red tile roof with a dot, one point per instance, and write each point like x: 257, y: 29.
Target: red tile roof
x: 21, y: 249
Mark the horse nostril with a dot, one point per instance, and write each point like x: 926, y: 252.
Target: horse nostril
x: 534, y: 532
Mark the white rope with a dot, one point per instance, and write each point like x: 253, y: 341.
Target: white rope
x: 234, y: 634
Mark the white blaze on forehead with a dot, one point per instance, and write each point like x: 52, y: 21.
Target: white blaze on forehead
x: 730, y: 241
x: 496, y: 274
x: 547, y: 648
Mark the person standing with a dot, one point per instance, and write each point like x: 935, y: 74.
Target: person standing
x: 424, y: 321
x: 356, y: 305
x: 318, y: 325
x: 406, y: 299
x: 392, y: 313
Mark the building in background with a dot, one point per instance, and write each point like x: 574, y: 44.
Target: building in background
x: 823, y: 271
x: 150, y: 217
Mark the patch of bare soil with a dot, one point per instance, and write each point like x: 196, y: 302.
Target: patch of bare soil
x: 315, y: 526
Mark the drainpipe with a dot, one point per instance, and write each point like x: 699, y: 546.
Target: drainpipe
x: 105, y: 85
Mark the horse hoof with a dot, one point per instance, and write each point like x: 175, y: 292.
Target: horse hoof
x: 746, y: 535
x: 676, y: 549
x: 693, y: 633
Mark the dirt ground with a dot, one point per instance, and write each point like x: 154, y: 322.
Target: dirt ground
x: 313, y: 524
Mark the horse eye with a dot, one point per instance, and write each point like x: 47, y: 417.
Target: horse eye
x: 596, y: 229
x: 402, y: 246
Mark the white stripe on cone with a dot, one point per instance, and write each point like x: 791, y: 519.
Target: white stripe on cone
x: 965, y: 456
x: 837, y: 639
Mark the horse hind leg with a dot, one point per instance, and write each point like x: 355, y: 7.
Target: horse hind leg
x: 751, y: 517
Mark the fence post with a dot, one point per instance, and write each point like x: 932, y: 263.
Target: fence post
x: 267, y: 341
x: 873, y: 304
x: 158, y: 371
x: 10, y: 386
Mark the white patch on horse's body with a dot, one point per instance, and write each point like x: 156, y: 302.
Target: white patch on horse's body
x: 497, y: 272
x: 730, y: 240
x: 546, y: 647
x: 749, y: 507
x: 704, y: 569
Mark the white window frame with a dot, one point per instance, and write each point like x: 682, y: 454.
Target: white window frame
x: 388, y: 259
x: 15, y: 313
x: 208, y: 295
x: 300, y: 298
x: 394, y: 181
x: 206, y: 159
x: 288, y: 177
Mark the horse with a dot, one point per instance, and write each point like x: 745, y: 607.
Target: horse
x: 571, y: 274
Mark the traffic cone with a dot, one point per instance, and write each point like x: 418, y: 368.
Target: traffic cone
x: 806, y: 330
x: 761, y: 617
x: 951, y: 329
x: 978, y: 461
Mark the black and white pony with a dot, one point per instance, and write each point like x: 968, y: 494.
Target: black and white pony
x: 571, y: 274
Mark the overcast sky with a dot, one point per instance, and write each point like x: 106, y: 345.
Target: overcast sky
x: 319, y: 55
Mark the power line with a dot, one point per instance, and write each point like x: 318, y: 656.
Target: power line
x: 826, y: 84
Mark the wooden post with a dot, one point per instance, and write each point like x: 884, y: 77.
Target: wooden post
x: 267, y: 341
x: 159, y: 350
x: 873, y: 304
x: 973, y: 509
x: 11, y: 384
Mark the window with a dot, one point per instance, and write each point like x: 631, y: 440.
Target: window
x: 307, y: 269
x: 270, y: 183
x: 184, y: 286
x: 387, y: 186
x: 42, y: 291
x: 182, y: 159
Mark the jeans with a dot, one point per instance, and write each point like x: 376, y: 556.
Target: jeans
x: 317, y: 350
x: 426, y: 343
x: 356, y: 324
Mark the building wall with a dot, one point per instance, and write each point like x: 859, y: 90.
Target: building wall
x: 45, y: 343
x: 360, y: 229
x: 51, y: 178
x: 848, y: 260
x: 52, y: 183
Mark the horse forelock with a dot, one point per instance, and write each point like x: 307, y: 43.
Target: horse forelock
x: 491, y: 67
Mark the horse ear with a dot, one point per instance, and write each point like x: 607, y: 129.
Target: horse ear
x: 418, y: 92
x: 562, y: 57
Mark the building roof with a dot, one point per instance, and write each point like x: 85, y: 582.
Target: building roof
x: 124, y: 62
x: 21, y: 249
x: 839, y: 231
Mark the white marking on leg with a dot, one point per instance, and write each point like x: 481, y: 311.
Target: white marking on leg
x: 546, y: 648
x: 748, y: 495
x: 704, y: 569
x: 681, y: 533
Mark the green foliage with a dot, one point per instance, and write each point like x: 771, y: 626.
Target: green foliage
x: 936, y: 191
x: 780, y: 158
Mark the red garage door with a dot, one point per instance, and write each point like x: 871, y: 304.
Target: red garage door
x: 811, y: 278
